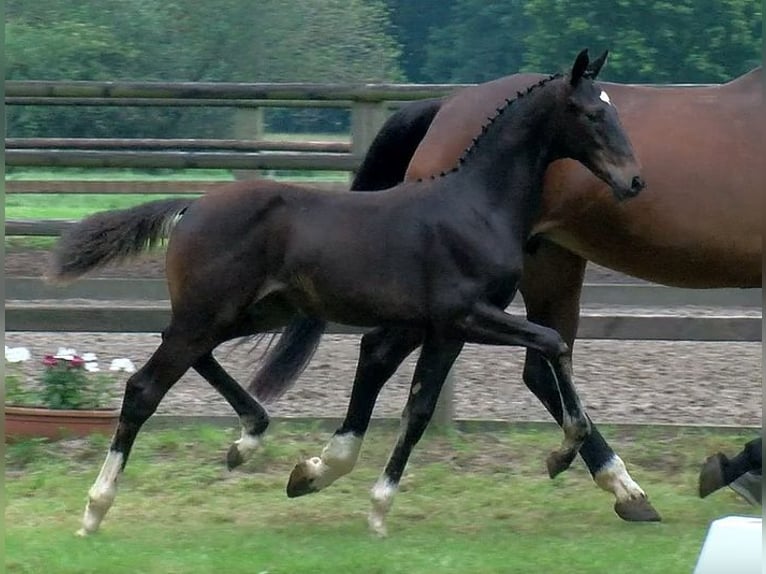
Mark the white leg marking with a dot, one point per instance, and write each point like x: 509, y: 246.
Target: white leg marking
x: 247, y: 444
x: 101, y: 495
x: 614, y: 478
x: 382, y: 498
x: 338, y: 458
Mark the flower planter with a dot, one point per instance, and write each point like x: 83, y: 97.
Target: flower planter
x: 21, y: 422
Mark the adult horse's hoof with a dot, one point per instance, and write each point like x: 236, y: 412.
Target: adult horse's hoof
x: 301, y: 481
x: 558, y: 461
x: 234, y: 458
x: 637, y: 510
x: 711, y: 475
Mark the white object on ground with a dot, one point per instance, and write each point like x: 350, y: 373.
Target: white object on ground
x: 733, y: 545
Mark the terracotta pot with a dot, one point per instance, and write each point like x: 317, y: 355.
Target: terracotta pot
x: 57, y: 423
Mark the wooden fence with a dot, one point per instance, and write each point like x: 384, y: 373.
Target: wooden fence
x: 369, y: 105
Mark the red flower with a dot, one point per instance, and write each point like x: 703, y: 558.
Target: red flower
x: 50, y: 361
x: 76, y: 362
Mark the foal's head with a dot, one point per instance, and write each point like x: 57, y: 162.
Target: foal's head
x: 590, y: 131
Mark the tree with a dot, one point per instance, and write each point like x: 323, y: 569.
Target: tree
x: 412, y: 24
x: 463, y: 50
x: 223, y: 40
x: 650, y: 41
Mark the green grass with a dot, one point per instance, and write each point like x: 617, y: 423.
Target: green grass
x: 470, y: 502
x: 79, y: 205
x: 69, y: 206
x: 108, y: 174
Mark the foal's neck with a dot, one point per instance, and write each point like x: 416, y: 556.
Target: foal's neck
x: 508, y: 161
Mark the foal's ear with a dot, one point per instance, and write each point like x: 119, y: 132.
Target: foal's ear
x: 595, y: 66
x: 579, y: 67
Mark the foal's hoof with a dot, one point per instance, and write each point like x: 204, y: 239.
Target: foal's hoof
x: 234, y: 458
x: 711, y: 475
x: 637, y: 510
x: 301, y: 482
x: 558, y: 461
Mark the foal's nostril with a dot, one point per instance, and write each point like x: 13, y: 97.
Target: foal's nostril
x: 637, y: 184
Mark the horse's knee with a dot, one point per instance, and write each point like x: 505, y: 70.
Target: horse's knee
x: 140, y: 400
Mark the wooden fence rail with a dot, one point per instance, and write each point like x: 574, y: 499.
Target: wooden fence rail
x: 145, y: 144
x: 20, y: 91
x: 143, y: 318
x: 180, y: 159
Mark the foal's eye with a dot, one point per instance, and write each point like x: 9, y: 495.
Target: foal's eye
x: 594, y: 116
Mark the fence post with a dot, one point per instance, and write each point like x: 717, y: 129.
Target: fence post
x: 444, y: 415
x: 248, y: 125
x: 366, y: 120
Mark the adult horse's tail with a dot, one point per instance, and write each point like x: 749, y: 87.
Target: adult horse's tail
x: 112, y: 236
x: 384, y: 166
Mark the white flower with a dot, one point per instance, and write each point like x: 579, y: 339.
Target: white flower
x: 89, y: 357
x: 92, y: 367
x: 65, y: 353
x: 17, y: 354
x: 122, y: 365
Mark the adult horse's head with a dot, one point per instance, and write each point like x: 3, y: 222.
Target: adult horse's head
x: 591, y: 131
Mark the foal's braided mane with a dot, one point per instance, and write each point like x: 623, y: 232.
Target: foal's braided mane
x: 498, y: 112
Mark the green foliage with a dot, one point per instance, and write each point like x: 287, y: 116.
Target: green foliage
x: 65, y: 384
x: 651, y: 41
x: 412, y: 24
x: 170, y: 40
x: 464, y: 51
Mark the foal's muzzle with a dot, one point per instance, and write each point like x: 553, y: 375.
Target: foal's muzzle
x: 636, y: 185
x: 627, y: 189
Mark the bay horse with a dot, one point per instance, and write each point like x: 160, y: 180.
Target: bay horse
x: 697, y: 225
x: 442, y: 257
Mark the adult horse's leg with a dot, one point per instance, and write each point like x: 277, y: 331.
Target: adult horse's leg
x: 435, y: 361
x: 381, y: 352
x: 144, y: 390
x: 551, y: 287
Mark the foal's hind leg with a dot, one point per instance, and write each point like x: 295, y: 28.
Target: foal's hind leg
x: 490, y: 325
x: 381, y: 353
x: 253, y: 417
x: 143, y: 392
x: 435, y: 361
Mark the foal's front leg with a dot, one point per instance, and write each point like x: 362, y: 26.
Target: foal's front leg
x: 493, y: 326
x: 381, y: 352
x: 436, y: 359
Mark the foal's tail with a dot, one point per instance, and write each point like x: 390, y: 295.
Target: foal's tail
x: 113, y: 236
